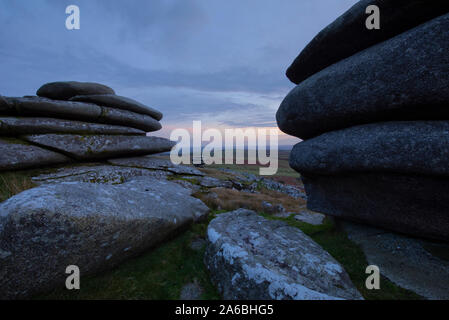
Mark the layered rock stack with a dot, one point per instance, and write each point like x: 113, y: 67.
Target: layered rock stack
x: 372, y: 107
x: 75, y: 121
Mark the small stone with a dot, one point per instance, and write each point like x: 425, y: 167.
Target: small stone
x: 310, y: 217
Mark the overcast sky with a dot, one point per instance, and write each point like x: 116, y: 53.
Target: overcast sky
x: 222, y: 62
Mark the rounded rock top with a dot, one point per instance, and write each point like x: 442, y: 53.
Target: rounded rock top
x: 119, y: 102
x: 65, y: 90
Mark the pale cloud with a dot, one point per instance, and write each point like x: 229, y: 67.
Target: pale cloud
x: 219, y: 61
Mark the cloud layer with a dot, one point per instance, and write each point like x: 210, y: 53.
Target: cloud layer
x: 221, y: 62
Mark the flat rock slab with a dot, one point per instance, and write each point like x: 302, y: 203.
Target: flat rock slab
x: 93, y: 226
x: 404, y: 78
x: 211, y: 182
x: 119, y: 102
x: 416, y: 147
x: 17, y: 154
x: 189, y: 184
x: 65, y: 90
x: 250, y: 257
x: 85, y: 147
x: 408, y: 262
x: 348, y: 35
x: 310, y: 217
x: 43, y: 107
x: 149, y: 162
x: 98, y: 174
x: 25, y: 125
x: 413, y: 204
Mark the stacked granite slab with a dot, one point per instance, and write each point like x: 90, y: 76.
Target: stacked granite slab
x: 75, y: 121
x: 372, y: 108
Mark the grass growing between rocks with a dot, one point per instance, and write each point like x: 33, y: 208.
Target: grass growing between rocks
x: 158, y: 274
x: 334, y: 240
x: 229, y: 199
x: 12, y: 183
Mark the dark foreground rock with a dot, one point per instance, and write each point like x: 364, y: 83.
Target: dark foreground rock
x: 250, y: 257
x: 16, y: 154
x: 404, y: 78
x: 3, y: 104
x: 412, y: 204
x: 415, y: 147
x: 93, y: 226
x: 119, y: 102
x: 85, y: 147
x: 13, y: 126
x: 414, y: 264
x: 348, y: 35
x: 65, y: 90
x: 43, y: 107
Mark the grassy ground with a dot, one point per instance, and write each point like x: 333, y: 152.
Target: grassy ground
x: 12, y: 183
x: 161, y: 273
x: 229, y: 199
x: 284, y: 169
x: 334, y: 240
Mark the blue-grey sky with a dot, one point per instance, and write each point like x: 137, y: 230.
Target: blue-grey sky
x: 222, y: 62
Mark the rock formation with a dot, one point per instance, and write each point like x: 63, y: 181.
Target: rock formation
x: 373, y: 108
x: 92, y: 225
x: 250, y: 257
x: 345, y: 36
x: 75, y: 121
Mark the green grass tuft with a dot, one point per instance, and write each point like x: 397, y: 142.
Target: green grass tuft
x: 335, y: 241
x: 12, y: 183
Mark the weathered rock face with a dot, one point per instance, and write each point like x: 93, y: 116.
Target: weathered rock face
x: 404, y: 78
x: 310, y: 217
x: 13, y: 126
x: 37, y: 106
x: 250, y: 257
x: 103, y: 125
x: 415, y: 147
x: 155, y: 163
x: 43, y: 107
x: 95, y: 173
x: 16, y: 154
x: 413, y: 204
x: 101, y: 146
x: 119, y: 103
x: 347, y: 35
x: 93, y: 226
x: 65, y: 90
